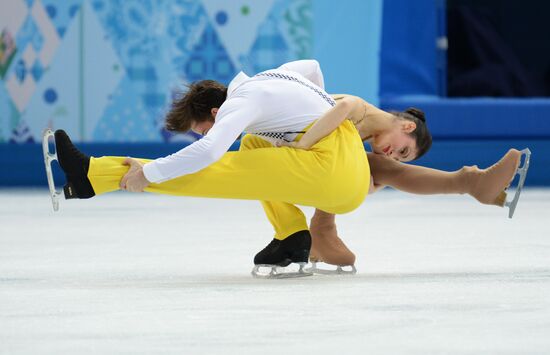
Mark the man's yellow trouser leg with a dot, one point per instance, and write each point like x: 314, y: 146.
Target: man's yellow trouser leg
x: 333, y: 176
x: 285, y: 218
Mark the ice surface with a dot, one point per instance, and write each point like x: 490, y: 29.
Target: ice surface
x: 145, y: 274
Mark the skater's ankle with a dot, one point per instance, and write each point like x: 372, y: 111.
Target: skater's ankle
x: 322, y: 223
x: 466, y: 179
x: 488, y: 185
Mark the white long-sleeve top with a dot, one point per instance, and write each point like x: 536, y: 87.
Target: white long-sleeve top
x: 270, y: 104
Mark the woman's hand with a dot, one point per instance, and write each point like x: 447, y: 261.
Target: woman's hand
x: 296, y: 145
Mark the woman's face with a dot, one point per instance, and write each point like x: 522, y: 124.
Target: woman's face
x: 396, y: 142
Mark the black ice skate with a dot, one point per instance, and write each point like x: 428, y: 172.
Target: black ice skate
x: 74, y: 164
x: 281, y: 253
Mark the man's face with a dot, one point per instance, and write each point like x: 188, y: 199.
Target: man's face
x: 202, y: 128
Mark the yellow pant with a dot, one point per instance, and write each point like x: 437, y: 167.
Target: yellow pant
x: 333, y: 176
x: 285, y: 218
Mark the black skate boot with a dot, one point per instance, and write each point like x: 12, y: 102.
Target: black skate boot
x: 75, y: 165
x: 293, y: 249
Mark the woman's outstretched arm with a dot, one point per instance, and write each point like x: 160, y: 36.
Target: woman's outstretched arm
x: 325, y: 125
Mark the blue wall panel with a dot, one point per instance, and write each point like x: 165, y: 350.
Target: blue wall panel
x: 408, y: 54
x: 347, y: 39
x: 479, y: 117
x: 22, y: 165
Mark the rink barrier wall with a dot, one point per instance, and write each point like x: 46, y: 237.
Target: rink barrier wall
x: 23, y: 166
x: 479, y: 118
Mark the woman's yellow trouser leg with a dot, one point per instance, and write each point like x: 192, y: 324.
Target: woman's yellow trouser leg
x: 333, y: 176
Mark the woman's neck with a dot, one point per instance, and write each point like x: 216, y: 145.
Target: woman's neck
x: 373, y: 123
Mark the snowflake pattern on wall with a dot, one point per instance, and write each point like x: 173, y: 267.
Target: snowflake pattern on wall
x: 158, y: 47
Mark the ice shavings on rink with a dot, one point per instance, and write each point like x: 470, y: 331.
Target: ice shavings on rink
x: 148, y: 274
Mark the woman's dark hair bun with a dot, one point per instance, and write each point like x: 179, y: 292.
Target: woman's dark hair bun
x: 413, y: 111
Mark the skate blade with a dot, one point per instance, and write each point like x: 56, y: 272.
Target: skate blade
x: 340, y: 270
x: 48, y: 159
x: 522, y: 172
x: 278, y: 272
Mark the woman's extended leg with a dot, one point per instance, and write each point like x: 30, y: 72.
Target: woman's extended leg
x: 485, y: 185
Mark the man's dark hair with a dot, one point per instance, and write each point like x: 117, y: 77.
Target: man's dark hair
x: 195, y: 105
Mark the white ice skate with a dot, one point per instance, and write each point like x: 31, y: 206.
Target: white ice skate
x: 340, y: 270
x: 48, y: 159
x: 522, y: 172
x: 279, y: 272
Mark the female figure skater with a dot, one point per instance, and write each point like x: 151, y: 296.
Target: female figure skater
x: 485, y: 185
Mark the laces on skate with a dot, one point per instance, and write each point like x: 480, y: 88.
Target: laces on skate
x: 340, y: 269
x: 267, y: 271
x: 522, y: 172
x: 48, y: 159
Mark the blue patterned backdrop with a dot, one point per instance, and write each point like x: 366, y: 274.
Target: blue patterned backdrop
x: 106, y: 70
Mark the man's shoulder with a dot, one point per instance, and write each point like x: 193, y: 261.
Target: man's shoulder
x: 237, y: 81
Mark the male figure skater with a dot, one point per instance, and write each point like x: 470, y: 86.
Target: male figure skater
x: 277, y: 104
